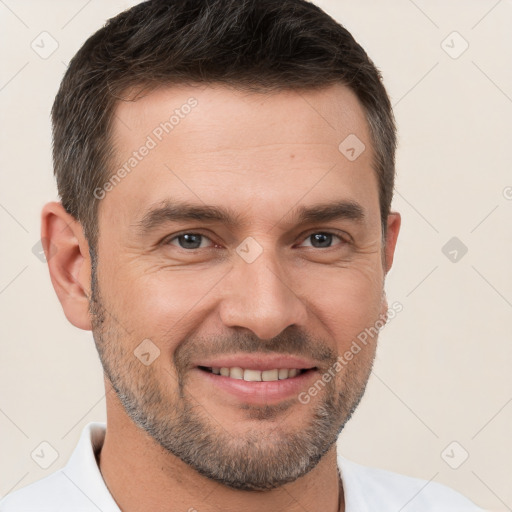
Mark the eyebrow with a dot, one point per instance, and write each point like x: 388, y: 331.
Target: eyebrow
x: 339, y: 210
x: 177, y: 211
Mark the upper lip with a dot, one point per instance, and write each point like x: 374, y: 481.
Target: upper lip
x: 257, y: 362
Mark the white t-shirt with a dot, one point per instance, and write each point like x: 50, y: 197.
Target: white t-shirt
x: 79, y: 487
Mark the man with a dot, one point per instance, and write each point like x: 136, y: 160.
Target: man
x: 226, y: 170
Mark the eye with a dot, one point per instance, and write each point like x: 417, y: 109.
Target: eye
x: 322, y: 240
x: 189, y: 241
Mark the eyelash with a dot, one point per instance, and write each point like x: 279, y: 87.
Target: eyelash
x: 343, y: 241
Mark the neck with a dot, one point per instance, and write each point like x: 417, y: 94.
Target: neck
x: 142, y: 476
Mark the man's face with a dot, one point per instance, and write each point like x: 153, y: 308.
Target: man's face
x: 175, y: 296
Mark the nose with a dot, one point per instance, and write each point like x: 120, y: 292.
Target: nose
x: 259, y: 296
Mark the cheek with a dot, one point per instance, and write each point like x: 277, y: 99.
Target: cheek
x: 346, y: 301
x: 166, y: 303
x: 159, y: 304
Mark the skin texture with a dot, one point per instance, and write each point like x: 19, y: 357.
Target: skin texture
x: 174, y: 441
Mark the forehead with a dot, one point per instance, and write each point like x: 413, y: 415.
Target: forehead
x: 255, y: 152
x: 221, y: 115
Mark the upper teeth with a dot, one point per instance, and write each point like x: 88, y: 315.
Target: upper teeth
x: 256, y: 375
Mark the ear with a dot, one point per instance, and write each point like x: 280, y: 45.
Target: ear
x: 393, y: 227
x: 67, y: 255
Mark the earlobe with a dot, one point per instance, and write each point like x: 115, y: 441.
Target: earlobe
x: 393, y: 227
x: 67, y: 254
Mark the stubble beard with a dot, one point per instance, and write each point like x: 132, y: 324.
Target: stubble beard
x: 255, y: 460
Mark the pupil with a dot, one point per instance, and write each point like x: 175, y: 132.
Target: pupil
x: 190, y: 241
x: 321, y: 240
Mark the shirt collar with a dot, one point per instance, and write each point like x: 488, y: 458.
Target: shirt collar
x: 83, y: 471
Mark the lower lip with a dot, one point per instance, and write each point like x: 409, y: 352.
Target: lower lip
x: 260, y: 392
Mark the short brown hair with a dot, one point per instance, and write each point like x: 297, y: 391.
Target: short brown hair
x: 255, y: 45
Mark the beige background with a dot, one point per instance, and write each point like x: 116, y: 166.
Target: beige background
x: 443, y: 368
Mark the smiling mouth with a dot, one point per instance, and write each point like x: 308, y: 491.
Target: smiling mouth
x: 249, y: 375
